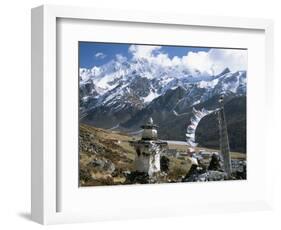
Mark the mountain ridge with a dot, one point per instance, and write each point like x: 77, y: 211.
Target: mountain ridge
x: 123, y: 95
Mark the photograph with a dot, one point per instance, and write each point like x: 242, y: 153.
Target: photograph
x: 161, y: 113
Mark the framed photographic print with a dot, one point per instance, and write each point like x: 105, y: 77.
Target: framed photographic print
x: 140, y: 106
x: 138, y: 114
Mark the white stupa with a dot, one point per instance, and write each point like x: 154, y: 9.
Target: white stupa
x: 148, y: 149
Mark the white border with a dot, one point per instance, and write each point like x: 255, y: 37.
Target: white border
x: 44, y: 108
x: 73, y: 198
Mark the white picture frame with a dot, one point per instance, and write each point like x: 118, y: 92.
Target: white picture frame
x: 45, y: 162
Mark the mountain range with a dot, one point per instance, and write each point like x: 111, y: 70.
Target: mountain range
x: 121, y: 95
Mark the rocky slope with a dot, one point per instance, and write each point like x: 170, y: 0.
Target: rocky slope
x: 104, y: 157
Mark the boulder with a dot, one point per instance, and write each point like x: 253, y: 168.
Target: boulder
x: 103, y: 165
x: 216, y: 163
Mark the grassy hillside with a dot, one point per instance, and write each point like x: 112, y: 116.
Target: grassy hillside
x: 106, y: 157
x: 100, y: 151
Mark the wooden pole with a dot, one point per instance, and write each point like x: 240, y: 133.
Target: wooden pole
x: 224, y: 143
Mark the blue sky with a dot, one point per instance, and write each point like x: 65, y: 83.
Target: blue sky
x: 96, y: 54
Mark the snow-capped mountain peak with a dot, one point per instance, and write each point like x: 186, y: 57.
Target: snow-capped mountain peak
x: 121, y: 84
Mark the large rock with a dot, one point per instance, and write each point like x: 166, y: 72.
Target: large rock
x: 239, y: 169
x: 103, y: 165
x: 137, y: 178
x: 195, y: 175
x: 216, y: 163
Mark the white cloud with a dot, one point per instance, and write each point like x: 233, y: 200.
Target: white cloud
x: 198, y: 61
x: 120, y: 58
x: 176, y: 61
x: 151, y: 53
x: 211, y: 62
x: 162, y: 59
x: 235, y: 60
x: 143, y: 51
x: 216, y: 60
x: 100, y: 55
